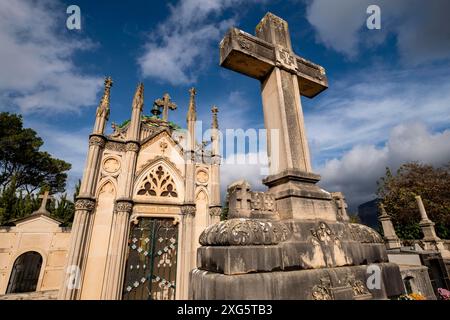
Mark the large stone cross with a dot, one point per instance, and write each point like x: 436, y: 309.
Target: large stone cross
x: 284, y: 76
x: 165, y: 103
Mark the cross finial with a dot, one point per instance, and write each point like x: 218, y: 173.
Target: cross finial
x: 45, y: 197
x: 166, y: 103
x: 103, y: 107
x: 138, y: 99
x: 192, y: 112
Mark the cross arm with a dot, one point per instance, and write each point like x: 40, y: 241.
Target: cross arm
x: 254, y: 57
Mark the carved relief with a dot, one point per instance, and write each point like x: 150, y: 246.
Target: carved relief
x: 322, y: 233
x: 322, y: 291
x: 124, y: 206
x: 115, y: 146
x: 262, y: 201
x: 158, y: 183
x: 97, y: 141
x: 243, y: 232
x: 285, y: 59
x: 215, y: 211
x: 132, y: 146
x: 364, y: 234
x: 111, y: 165
x: 188, y: 209
x: 85, y: 204
x: 358, y: 286
x: 202, y: 176
x: 244, y: 43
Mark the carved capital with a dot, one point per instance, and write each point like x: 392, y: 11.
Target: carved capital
x: 215, y: 211
x: 245, y: 232
x: 132, y: 146
x: 85, y: 204
x: 124, y: 206
x: 188, y: 209
x: 97, y: 141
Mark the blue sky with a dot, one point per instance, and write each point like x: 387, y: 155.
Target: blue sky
x: 389, y: 90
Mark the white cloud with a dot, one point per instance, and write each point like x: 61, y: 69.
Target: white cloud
x: 38, y: 73
x: 363, y: 107
x: 181, y: 46
x: 243, y: 166
x: 357, y: 171
x: 421, y: 28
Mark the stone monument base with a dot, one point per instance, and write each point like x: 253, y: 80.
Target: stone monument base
x: 344, y: 283
x: 292, y: 259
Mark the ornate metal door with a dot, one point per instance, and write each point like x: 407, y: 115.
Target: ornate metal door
x: 152, y: 260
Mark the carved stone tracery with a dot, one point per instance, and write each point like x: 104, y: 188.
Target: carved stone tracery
x: 158, y: 183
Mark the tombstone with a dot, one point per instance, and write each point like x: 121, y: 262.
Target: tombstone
x: 305, y: 248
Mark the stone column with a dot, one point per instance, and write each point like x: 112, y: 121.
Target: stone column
x: 215, y: 205
x: 117, y: 251
x: 431, y: 240
x: 188, y: 257
x: 392, y: 241
x: 80, y: 236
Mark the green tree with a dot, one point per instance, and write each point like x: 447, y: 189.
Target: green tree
x: 398, y: 192
x: 21, y: 159
x: 24, y: 169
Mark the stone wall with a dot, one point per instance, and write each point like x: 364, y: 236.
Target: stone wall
x: 40, y: 234
x: 38, y: 295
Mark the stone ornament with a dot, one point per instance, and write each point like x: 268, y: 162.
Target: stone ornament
x: 202, y: 176
x: 215, y: 211
x: 358, y: 286
x: 364, y: 234
x: 96, y: 141
x: 124, y: 206
x: 188, y: 209
x: 111, y: 165
x: 158, y: 183
x: 85, y: 204
x: 115, y: 146
x: 322, y: 291
x: 262, y: 201
x: 322, y: 233
x: 132, y: 146
x: 285, y: 59
x: 244, y: 232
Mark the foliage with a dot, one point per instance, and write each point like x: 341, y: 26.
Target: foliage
x: 26, y: 172
x: 412, y: 296
x: 443, y: 294
x: 21, y: 160
x: 397, y: 192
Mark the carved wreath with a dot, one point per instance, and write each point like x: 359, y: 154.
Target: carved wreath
x: 158, y: 183
x: 242, y: 232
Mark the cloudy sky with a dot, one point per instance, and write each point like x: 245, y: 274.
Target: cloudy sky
x: 388, y: 100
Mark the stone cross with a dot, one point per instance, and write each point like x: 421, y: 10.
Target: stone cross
x: 45, y: 197
x: 165, y: 103
x: 284, y: 76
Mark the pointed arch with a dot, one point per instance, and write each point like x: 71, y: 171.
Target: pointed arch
x: 104, y: 184
x: 159, y: 179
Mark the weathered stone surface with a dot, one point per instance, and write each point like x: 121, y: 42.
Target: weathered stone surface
x: 39, y: 295
x: 318, y: 284
x: 309, y: 244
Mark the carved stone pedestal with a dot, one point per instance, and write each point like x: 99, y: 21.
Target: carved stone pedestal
x: 291, y: 259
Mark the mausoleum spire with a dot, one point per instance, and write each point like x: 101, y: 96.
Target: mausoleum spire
x: 192, y: 112
x: 102, y: 113
x: 136, y: 110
